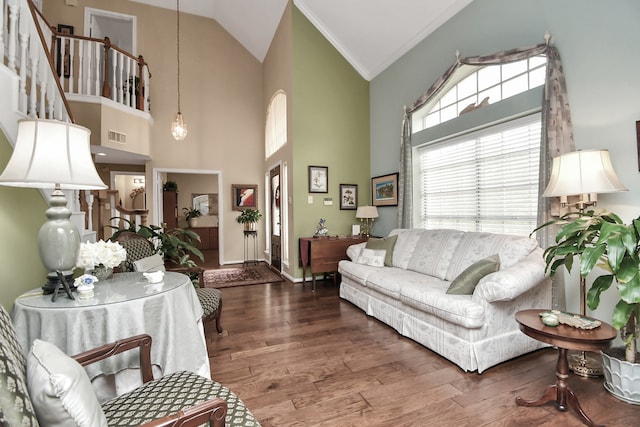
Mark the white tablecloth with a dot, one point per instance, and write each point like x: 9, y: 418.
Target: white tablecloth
x: 123, y: 306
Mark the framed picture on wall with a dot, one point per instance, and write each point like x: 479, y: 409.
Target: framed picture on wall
x: 348, y: 196
x: 384, y: 190
x: 207, y: 203
x: 244, y: 196
x: 318, y: 179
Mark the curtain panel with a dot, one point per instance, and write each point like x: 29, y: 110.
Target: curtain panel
x: 557, y: 136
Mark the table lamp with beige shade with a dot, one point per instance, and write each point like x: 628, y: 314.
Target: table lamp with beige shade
x: 366, y: 214
x: 54, y: 154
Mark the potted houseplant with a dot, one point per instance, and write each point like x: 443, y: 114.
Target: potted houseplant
x: 603, y: 240
x: 191, y: 215
x: 170, y: 186
x: 249, y: 217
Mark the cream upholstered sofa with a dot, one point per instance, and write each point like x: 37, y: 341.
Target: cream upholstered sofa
x: 475, y: 331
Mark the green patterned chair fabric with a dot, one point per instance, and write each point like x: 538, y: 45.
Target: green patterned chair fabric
x: 155, y: 399
x: 169, y: 394
x: 138, y: 247
x: 15, y: 403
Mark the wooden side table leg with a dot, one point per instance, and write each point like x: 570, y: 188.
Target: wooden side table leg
x: 560, y: 392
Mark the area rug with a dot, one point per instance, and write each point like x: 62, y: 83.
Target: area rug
x: 240, y: 276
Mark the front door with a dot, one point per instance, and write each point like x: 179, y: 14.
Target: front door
x: 276, y: 231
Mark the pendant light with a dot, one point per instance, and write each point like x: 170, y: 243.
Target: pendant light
x: 178, y: 126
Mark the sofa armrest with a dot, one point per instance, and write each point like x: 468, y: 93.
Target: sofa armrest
x: 508, y: 284
x: 354, y: 251
x: 143, y: 342
x: 211, y: 412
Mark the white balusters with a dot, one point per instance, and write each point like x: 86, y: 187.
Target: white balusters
x: 13, y: 19
x: 24, y: 24
x: 35, y: 66
x: 89, y: 199
x: 147, y: 87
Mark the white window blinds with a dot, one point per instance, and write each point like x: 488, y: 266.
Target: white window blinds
x: 485, y: 181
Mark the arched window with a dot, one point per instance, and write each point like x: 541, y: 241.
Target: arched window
x: 473, y: 87
x: 276, y: 125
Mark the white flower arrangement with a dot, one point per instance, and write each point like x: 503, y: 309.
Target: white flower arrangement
x: 110, y: 254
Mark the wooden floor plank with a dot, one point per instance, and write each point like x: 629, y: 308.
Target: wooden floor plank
x: 302, y: 358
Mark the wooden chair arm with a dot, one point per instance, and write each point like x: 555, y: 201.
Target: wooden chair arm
x: 212, y: 411
x: 143, y: 342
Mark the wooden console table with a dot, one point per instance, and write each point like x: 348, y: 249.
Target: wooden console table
x: 322, y: 254
x: 565, y: 338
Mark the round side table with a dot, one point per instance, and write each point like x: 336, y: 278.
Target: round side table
x: 565, y: 338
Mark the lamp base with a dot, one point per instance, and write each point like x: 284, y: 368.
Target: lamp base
x: 57, y: 283
x: 584, y: 365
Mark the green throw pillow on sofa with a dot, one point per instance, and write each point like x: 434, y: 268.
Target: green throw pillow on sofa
x: 386, y: 243
x: 466, y: 281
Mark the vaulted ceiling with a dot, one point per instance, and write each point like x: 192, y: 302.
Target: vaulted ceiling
x: 370, y: 34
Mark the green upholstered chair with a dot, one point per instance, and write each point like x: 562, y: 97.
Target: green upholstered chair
x: 46, y: 384
x: 139, y: 248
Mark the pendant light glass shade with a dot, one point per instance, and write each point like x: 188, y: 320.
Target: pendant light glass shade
x: 179, y: 128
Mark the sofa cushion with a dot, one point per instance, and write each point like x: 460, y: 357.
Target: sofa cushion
x: 60, y: 389
x: 390, y: 281
x: 372, y: 257
x: 434, y: 251
x: 466, y: 281
x: 405, y: 245
x: 476, y: 246
x: 386, y: 243
x: 354, y: 271
x: 458, y: 309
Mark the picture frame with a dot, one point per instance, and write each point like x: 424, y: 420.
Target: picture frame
x: 355, y: 229
x: 384, y: 190
x: 244, y: 196
x: 318, y: 179
x: 206, y: 203
x: 348, y: 197
x: 63, y: 61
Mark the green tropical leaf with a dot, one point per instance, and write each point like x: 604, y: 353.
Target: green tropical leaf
x: 589, y: 258
x: 621, y: 314
x: 599, y: 285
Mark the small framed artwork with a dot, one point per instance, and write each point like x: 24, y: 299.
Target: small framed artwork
x: 318, y: 179
x: 64, y: 58
x: 348, y: 196
x: 355, y: 230
x: 384, y: 190
x: 244, y: 196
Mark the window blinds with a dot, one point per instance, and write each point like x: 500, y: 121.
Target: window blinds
x: 485, y: 181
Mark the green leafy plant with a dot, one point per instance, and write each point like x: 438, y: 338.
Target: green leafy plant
x: 249, y: 215
x: 176, y: 245
x: 191, y: 213
x: 603, y: 240
x: 170, y: 186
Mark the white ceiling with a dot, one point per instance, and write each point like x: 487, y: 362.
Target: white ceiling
x: 370, y: 34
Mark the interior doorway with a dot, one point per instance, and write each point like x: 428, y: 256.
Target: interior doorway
x: 131, y: 189
x: 186, y: 196
x: 120, y: 28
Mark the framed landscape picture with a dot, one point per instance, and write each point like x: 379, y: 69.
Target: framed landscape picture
x: 348, y: 196
x: 384, y: 190
x: 244, y: 196
x: 318, y: 179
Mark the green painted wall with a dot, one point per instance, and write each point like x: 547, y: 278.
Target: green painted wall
x: 21, y: 215
x: 330, y: 128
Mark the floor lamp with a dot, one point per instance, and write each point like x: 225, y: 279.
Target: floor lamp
x: 583, y: 174
x: 55, y: 155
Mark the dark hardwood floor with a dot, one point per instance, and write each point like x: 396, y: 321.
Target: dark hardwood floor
x: 298, y: 358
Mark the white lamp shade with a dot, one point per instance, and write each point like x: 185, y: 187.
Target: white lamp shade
x: 583, y: 172
x: 367, y: 212
x: 50, y: 153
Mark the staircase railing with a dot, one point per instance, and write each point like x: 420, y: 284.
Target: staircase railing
x: 96, y: 67
x: 108, y: 213
x: 22, y: 51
